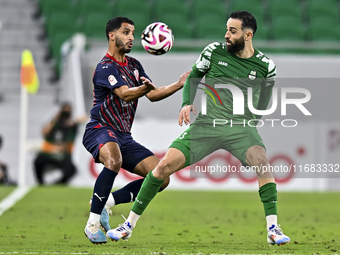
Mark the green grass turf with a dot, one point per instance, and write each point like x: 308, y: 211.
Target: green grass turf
x: 50, y: 220
x: 5, y: 191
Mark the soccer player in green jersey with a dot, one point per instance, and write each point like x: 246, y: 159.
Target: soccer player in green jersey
x: 240, y: 65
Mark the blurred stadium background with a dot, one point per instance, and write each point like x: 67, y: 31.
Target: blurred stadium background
x: 67, y: 39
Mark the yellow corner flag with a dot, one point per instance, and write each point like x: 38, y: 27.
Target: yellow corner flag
x: 29, y: 76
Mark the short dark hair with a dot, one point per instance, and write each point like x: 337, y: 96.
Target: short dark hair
x: 116, y: 23
x: 248, y: 20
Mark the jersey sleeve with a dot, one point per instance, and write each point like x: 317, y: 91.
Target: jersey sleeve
x: 108, y: 77
x: 267, y: 87
x: 199, y: 69
x: 190, y: 86
x: 142, y: 73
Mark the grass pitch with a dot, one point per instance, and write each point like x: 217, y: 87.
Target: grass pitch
x: 5, y: 191
x: 51, y: 220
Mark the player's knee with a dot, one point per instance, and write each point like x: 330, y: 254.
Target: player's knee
x: 259, y: 160
x: 162, y: 170
x: 113, y: 164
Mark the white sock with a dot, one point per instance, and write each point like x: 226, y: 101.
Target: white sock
x: 133, y: 218
x: 271, y: 220
x: 111, y: 201
x: 94, y: 218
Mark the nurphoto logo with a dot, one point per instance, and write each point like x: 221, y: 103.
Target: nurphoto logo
x: 239, y: 104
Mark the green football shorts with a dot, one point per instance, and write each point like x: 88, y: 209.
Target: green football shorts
x: 200, y: 140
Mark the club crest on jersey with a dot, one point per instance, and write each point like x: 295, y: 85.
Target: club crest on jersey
x: 136, y: 74
x: 112, y: 80
x: 252, y: 75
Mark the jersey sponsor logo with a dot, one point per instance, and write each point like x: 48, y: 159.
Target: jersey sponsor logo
x: 222, y: 63
x: 136, y: 74
x: 112, y: 80
x: 252, y: 75
x: 105, y: 67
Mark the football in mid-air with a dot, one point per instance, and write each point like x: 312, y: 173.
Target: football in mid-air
x: 157, y: 38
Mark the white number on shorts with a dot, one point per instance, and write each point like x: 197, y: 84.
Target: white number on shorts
x: 181, y: 136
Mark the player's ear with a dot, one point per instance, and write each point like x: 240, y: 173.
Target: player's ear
x: 248, y: 35
x: 112, y: 36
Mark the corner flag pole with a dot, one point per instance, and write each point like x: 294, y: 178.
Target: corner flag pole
x: 30, y: 83
x: 22, y: 137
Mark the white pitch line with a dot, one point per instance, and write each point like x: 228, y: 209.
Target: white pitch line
x: 14, y: 197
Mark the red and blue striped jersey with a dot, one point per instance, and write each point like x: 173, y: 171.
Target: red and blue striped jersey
x: 109, y: 109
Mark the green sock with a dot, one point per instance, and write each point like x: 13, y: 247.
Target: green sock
x: 268, y: 196
x: 147, y: 192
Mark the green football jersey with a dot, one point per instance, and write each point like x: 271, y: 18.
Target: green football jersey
x: 221, y: 67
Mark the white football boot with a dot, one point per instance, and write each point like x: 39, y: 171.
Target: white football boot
x: 123, y: 232
x: 276, y: 236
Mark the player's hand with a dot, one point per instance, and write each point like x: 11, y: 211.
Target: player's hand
x: 183, y: 78
x: 148, y: 84
x: 184, y: 114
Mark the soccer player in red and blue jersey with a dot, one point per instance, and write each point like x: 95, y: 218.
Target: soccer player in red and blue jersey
x: 119, y: 80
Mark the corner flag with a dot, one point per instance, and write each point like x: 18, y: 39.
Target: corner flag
x: 29, y: 76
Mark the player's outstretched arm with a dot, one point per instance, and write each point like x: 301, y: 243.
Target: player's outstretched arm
x: 165, y: 91
x: 131, y: 94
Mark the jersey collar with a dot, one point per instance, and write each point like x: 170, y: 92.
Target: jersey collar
x: 115, y: 60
